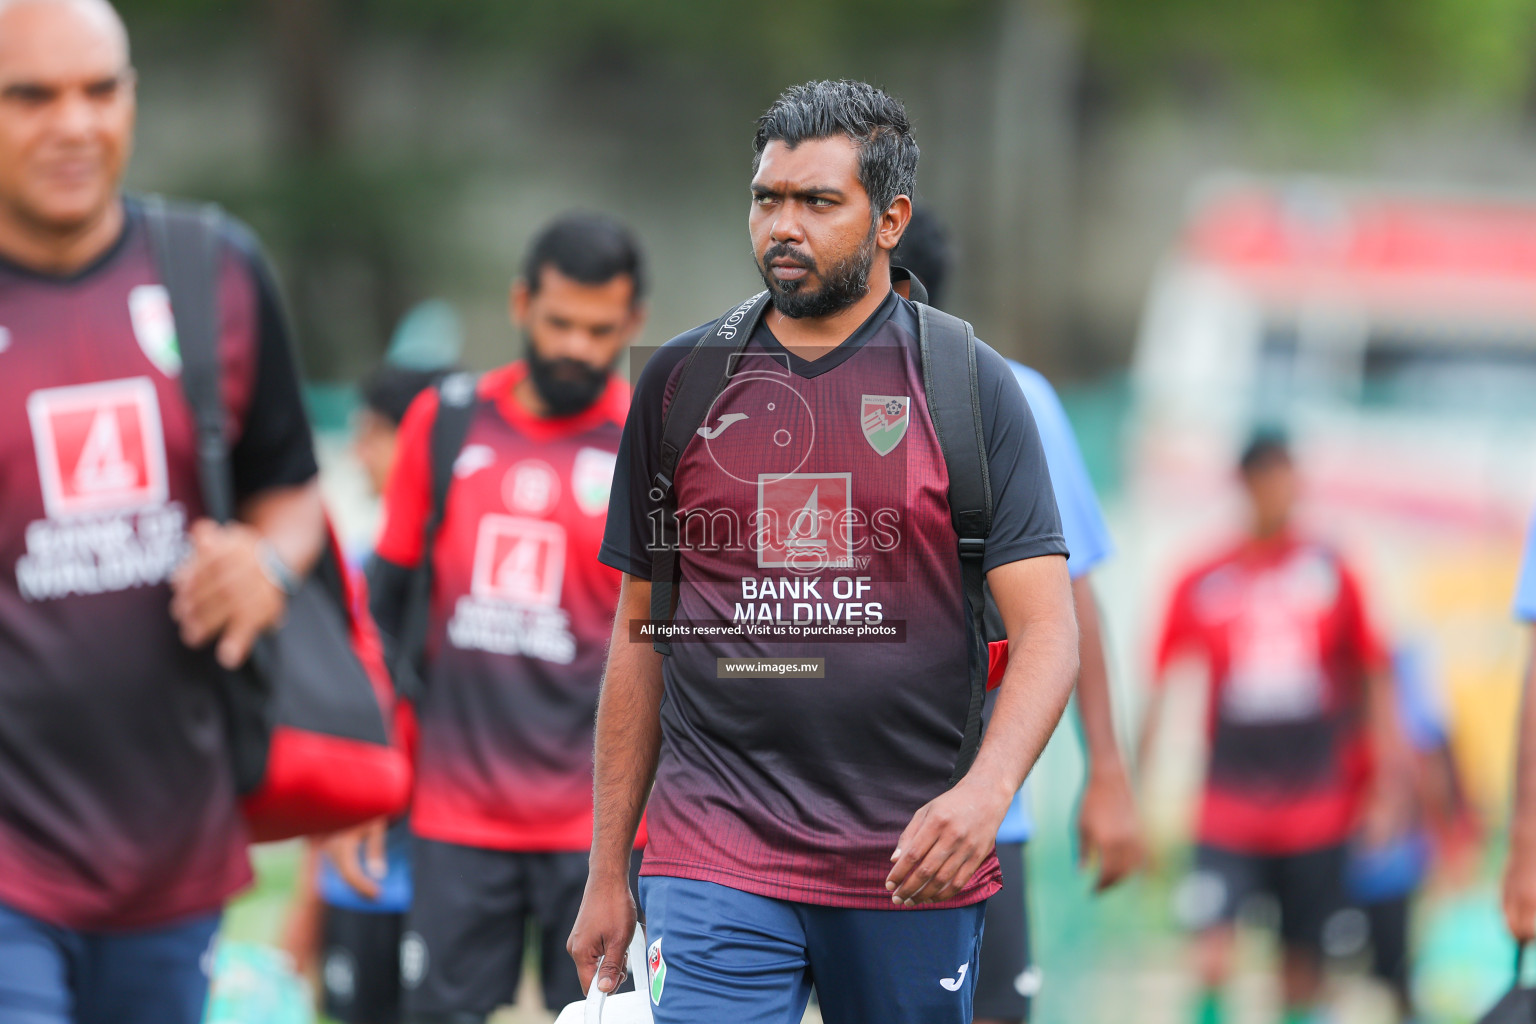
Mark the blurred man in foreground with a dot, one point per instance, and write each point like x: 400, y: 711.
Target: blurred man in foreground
x: 519, y: 616
x: 1520, y: 873
x: 1108, y: 830
x: 120, y: 837
x: 1292, y: 662
x: 832, y: 829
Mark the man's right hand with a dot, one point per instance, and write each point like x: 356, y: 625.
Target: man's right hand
x: 1520, y: 890
x: 604, y: 927
x: 358, y: 854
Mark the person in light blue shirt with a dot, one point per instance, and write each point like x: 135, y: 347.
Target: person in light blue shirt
x: 1108, y: 830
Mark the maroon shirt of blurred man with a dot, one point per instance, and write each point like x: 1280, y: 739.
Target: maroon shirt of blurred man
x: 120, y: 837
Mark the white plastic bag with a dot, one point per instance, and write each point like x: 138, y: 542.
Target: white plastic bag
x: 632, y: 1007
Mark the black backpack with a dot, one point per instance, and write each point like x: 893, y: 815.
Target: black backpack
x: 457, y: 400
x: 947, y: 347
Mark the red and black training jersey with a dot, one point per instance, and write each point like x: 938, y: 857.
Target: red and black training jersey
x: 521, y: 613
x: 814, y: 524
x: 1287, y: 643
x: 117, y: 807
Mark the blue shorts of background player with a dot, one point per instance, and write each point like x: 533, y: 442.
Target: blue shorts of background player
x: 890, y: 966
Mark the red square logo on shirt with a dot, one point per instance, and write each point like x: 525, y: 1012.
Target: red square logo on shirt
x: 100, y: 447
x: 518, y: 560
x: 804, y: 522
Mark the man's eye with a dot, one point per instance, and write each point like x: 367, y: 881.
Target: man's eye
x: 819, y: 201
x: 28, y: 95
x: 102, y: 90
x: 762, y: 198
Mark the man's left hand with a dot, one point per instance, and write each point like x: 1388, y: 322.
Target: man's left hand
x: 222, y: 592
x: 1108, y: 830
x: 946, y: 842
x: 1389, y: 810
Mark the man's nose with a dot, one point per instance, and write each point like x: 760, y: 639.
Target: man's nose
x: 787, y: 226
x: 74, y: 116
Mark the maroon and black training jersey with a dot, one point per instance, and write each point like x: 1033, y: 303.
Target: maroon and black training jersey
x: 520, y: 617
x: 117, y: 807
x: 816, y: 501
x: 1283, y: 630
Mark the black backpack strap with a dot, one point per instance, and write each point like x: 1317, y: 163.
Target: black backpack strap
x: 948, y: 348
x: 704, y: 375
x: 185, y: 241
x: 457, y: 400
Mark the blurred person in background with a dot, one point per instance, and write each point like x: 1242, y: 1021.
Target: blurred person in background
x: 120, y: 834
x: 1383, y: 880
x: 521, y: 609
x: 351, y: 937
x: 1520, y: 872
x: 1292, y: 662
x: 1107, y: 825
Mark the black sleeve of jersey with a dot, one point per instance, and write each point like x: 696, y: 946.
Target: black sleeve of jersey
x: 275, y: 448
x: 627, y: 534
x: 1025, y: 520
x: 389, y: 588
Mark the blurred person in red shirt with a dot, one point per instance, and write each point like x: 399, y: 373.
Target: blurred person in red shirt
x: 519, y: 620
x: 1295, y: 671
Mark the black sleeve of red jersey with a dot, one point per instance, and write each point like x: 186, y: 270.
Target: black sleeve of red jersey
x: 389, y: 591
x: 276, y: 448
x: 1026, y: 522
x: 626, y: 535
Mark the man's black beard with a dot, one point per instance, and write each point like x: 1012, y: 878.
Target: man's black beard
x: 567, y: 386
x: 846, y: 283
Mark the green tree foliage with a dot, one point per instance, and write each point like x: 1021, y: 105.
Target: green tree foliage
x: 1403, y: 48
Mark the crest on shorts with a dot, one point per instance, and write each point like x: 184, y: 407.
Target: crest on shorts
x: 149, y: 308
x: 658, y: 971
x: 884, y: 419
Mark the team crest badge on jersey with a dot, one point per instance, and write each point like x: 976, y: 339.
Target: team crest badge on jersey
x: 100, y: 447
x: 884, y: 419
x: 804, y: 522
x: 531, y: 487
x: 592, y: 480
x: 519, y: 561
x: 149, y: 307
x: 658, y: 971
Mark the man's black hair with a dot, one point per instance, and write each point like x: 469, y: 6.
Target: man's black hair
x: 925, y: 251
x: 1267, y: 448
x: 871, y: 117
x: 588, y: 247
x: 389, y: 390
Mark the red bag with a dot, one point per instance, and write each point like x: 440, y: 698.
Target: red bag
x: 319, y: 780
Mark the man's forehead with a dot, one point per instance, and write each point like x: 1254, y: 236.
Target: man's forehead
x: 554, y: 287
x: 60, y: 41
x: 833, y: 161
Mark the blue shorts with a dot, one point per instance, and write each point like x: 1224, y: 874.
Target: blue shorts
x: 51, y: 975
x: 720, y: 954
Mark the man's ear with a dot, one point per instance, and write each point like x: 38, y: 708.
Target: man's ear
x: 518, y: 301
x: 893, y: 223
x: 637, y: 319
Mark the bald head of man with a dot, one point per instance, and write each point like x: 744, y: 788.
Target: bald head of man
x: 66, y: 125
